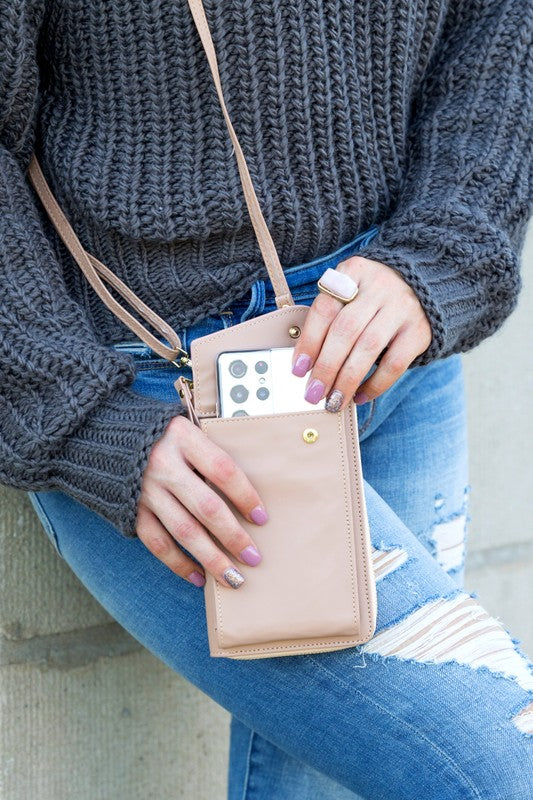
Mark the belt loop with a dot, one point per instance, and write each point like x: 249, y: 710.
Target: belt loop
x: 261, y: 299
x: 257, y: 301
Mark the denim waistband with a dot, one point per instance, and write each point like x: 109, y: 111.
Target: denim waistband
x: 301, y: 280
x: 260, y: 297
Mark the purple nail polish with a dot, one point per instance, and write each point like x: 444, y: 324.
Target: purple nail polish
x: 301, y: 365
x: 197, y: 578
x: 360, y: 398
x: 259, y: 515
x: 315, y: 391
x: 251, y: 555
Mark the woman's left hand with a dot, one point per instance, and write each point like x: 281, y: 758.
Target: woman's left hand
x: 341, y: 341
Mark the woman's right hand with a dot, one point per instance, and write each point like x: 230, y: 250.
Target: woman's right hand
x: 177, y: 507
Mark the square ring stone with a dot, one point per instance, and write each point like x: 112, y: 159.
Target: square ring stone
x: 338, y: 285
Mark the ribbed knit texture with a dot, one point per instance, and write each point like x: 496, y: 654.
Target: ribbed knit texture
x: 409, y: 114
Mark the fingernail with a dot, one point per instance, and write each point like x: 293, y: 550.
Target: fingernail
x: 334, y: 401
x: 301, y: 365
x: 315, y: 391
x: 360, y: 398
x: 251, y: 555
x: 197, y: 578
x: 233, y: 577
x: 259, y: 515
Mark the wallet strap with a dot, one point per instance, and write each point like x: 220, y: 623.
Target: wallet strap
x: 266, y: 244
x: 96, y: 272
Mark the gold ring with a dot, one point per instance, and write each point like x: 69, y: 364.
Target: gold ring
x: 338, y: 285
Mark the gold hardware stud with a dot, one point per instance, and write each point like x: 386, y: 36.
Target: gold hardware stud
x: 310, y: 435
x: 294, y: 331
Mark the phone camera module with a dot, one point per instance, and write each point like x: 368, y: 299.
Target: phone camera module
x: 237, y: 368
x: 239, y: 393
x: 261, y: 367
x: 262, y: 393
x: 240, y: 413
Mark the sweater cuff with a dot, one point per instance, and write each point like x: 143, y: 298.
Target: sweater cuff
x: 102, y: 462
x: 464, y: 272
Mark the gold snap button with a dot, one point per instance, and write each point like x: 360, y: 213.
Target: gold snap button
x: 310, y: 435
x: 294, y: 331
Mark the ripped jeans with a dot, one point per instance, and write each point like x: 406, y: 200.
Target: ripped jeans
x: 437, y: 706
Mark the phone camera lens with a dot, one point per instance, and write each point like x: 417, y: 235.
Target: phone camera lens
x: 237, y: 368
x: 262, y: 393
x: 261, y: 367
x: 239, y: 393
x: 240, y: 413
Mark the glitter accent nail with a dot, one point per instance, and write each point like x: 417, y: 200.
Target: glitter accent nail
x: 233, y: 577
x: 334, y: 401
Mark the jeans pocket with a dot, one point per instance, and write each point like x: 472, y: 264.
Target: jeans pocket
x: 45, y: 521
x: 158, y: 382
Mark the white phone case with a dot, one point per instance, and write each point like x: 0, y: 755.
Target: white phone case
x: 258, y: 382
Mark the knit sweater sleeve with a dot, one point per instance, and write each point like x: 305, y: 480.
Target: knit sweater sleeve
x: 69, y: 419
x: 456, y: 232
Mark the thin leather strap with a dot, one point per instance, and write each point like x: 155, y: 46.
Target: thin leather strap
x: 268, y: 248
x: 92, y: 268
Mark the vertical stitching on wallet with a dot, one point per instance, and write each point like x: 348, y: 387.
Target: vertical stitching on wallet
x: 349, y: 525
x: 358, y: 490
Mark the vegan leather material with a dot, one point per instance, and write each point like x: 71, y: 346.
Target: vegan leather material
x: 94, y: 271
x: 314, y: 589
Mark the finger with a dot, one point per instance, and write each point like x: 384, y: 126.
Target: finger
x: 368, y: 276
x: 344, y: 333
x: 321, y: 314
x: 223, y: 471
x: 159, y: 542
x: 402, y: 350
x: 372, y: 341
x: 214, y: 514
x: 209, y: 510
x: 185, y: 529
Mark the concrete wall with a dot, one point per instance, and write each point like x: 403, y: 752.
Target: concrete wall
x: 88, y: 714
x: 499, y: 376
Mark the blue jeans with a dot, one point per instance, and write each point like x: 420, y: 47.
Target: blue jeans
x: 434, y: 705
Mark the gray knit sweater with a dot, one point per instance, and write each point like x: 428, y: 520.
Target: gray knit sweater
x: 412, y: 114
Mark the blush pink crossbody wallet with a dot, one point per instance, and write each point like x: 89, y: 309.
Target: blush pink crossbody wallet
x: 314, y: 589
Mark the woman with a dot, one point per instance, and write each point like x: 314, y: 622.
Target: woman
x: 387, y: 141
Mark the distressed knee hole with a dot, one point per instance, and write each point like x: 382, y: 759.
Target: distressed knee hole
x: 448, y: 538
x: 386, y: 561
x: 524, y: 720
x: 454, y: 629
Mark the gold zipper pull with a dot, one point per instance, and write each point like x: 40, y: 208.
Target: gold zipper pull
x: 184, y: 360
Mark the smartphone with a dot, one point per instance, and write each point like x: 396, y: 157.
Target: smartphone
x: 252, y: 382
